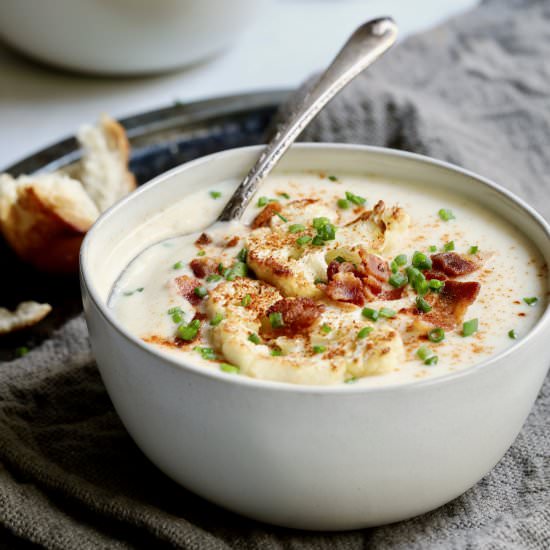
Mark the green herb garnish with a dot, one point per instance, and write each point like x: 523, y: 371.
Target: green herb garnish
x: 343, y: 204
x: 326, y: 328
x: 400, y: 260
x: 448, y: 247
x: 216, y: 320
x: 445, y: 214
x: 436, y: 284
x: 254, y: 338
x: 276, y: 352
x: 436, y: 335
x: 246, y: 301
x: 281, y: 217
x: 276, y: 319
x: 422, y: 305
x: 319, y: 349
x: 296, y: 228
x: 238, y: 269
x: 333, y: 178
x: 364, y: 332
x: 387, y: 312
x: 531, y: 301
x: 355, y: 199
x: 215, y: 194
x: 469, y: 327
x: 398, y: 280
x: 433, y: 360
x: 513, y: 334
x: 178, y: 265
x: 200, y: 291
x: 421, y: 261
x: 241, y: 256
x: 206, y: 353
x: 231, y: 369
x: 370, y: 313
x: 190, y: 331
x: 474, y: 249
x: 304, y: 239
x: 213, y: 277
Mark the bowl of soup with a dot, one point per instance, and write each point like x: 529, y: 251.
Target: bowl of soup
x: 362, y: 347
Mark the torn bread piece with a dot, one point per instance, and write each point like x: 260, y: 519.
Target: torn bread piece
x: 104, y: 166
x: 45, y: 216
x: 25, y: 315
x: 44, y: 219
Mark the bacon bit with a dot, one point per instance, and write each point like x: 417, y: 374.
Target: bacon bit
x: 203, y: 239
x: 346, y: 287
x: 375, y: 266
x: 372, y: 287
x: 264, y: 217
x: 202, y: 267
x: 453, y: 264
x: 186, y: 287
x: 232, y: 242
x: 391, y: 294
x: 449, y: 306
x: 335, y: 267
x: 432, y: 274
x: 299, y: 314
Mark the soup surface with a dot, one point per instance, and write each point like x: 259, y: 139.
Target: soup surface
x: 334, y: 279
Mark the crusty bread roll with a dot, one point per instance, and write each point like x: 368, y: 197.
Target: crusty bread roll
x: 26, y: 315
x: 44, y: 217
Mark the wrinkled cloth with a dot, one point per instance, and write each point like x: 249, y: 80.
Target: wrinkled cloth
x: 474, y: 91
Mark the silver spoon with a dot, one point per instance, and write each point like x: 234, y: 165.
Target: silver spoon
x: 363, y: 47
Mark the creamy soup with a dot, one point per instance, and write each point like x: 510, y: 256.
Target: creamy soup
x: 334, y: 279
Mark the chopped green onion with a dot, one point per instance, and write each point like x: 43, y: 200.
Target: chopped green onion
x: 318, y: 241
x: 190, y: 331
x: 319, y: 349
x: 422, y: 305
x: 215, y: 194
x: 247, y: 299
x: 326, y: 328
x: 445, y: 214
x: 304, y: 239
x: 276, y: 352
x: 239, y: 269
x: 364, y: 332
x: 262, y: 201
x: 284, y: 195
x: 432, y: 248
x: 206, y: 353
x: 387, y: 312
x: 436, y: 335
x: 394, y: 267
x: 327, y: 232
x: 241, y: 256
x: 216, y: 320
x: 200, y: 291
x: 351, y: 380
x: 370, y: 313
x: 177, y: 317
x: 469, y: 327
x: 474, y: 249
x: 423, y: 352
x: 531, y: 301
x: 319, y: 281
x: 276, y: 319
x: 436, y: 284
x: 343, y: 204
x: 340, y: 259
x: 296, y: 228
x: 513, y: 334
x: 175, y: 309
x: 421, y: 261
x: 213, y: 277
x: 355, y: 199
x: 319, y: 222
x: 400, y: 260
x: 231, y: 369
x: 433, y: 360
x: 201, y: 253
x: 281, y: 216
x: 178, y: 265
x: 398, y: 280
x: 21, y: 350
x: 333, y: 178
x: 448, y: 247
x: 254, y: 338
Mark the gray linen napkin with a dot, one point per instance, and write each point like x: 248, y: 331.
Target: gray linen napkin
x: 475, y: 91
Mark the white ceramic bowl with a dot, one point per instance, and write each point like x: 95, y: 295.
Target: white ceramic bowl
x: 123, y: 36
x: 326, y: 458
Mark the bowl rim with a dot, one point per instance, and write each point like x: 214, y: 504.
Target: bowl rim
x: 542, y: 323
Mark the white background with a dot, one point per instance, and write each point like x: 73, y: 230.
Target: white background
x: 291, y: 39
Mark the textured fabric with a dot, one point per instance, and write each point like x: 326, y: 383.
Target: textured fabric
x: 474, y: 91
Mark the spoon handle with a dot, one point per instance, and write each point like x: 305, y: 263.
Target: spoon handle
x: 364, y: 46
